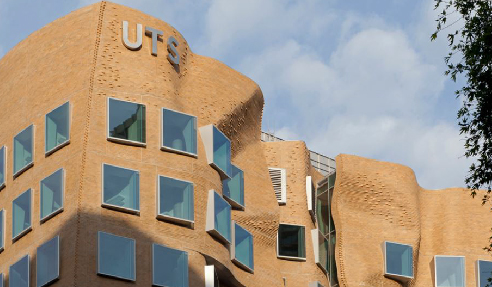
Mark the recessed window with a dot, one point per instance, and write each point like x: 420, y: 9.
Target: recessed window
x: 51, y: 190
x: 2, y: 229
x: 233, y: 188
x: 218, y: 217
x: 19, y: 273
x: 3, y: 156
x: 217, y: 149
x: 126, y: 122
x: 169, y: 267
x: 179, y: 132
x: 1, y: 279
x: 23, y: 150
x: 291, y: 242
x: 449, y: 271
x: 57, y: 128
x: 175, y: 200
x: 48, y: 262
x: 398, y: 260
x: 484, y: 270
x: 320, y: 245
x: 21, y: 214
x: 116, y: 256
x: 242, y: 247
x: 121, y: 188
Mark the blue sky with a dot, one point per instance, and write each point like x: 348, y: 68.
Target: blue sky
x: 358, y: 77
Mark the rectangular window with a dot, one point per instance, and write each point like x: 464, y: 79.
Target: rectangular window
x: 398, y: 260
x: 233, y: 188
x: 121, y: 188
x: 52, y: 190
x: 21, y: 214
x: 48, y: 262
x: 179, y: 132
x: 3, y: 173
x: 218, y: 217
x: 23, y: 150
x: 320, y: 245
x: 116, y: 256
x: 242, y: 247
x: 169, y: 267
x: 19, y: 273
x: 126, y: 122
x: 449, y: 271
x: 484, y: 270
x: 217, y: 150
x: 57, y: 132
x: 1, y: 279
x: 175, y: 200
x: 291, y: 243
x: 2, y: 229
x: 315, y: 284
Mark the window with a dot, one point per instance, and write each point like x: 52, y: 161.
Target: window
x: 398, y: 260
x: 52, y: 188
x: 242, y: 247
x: 1, y: 279
x: 23, y: 150
x: 233, y: 188
x: 57, y: 133
x: 121, y: 188
x: 169, y: 267
x: 291, y: 242
x: 484, y: 270
x: 19, y: 273
x: 21, y: 214
x: 179, y: 132
x: 126, y: 122
x: 175, y: 200
x: 449, y: 271
x: 217, y: 149
x: 116, y: 256
x: 279, y: 182
x: 48, y: 262
x: 2, y: 229
x: 315, y: 284
x: 320, y: 245
x: 3, y: 173
x: 211, y: 277
x: 218, y: 217
x: 311, y: 197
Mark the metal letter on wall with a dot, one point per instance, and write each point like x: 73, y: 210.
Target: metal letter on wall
x: 173, y: 55
x: 136, y: 45
x: 153, y: 33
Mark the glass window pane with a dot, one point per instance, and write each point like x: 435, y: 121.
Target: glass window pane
x: 2, y: 166
x: 322, y: 210
x: 450, y: 271
x: 1, y: 279
x: 116, y: 256
x: 57, y: 127
x: 399, y: 259
x: 2, y: 231
x: 291, y: 241
x: 169, y: 267
x: 323, y: 251
x: 222, y: 213
x: 126, y: 120
x: 243, y: 246
x: 176, y: 198
x: 179, y: 131
x: 485, y: 272
x: 233, y: 188
x: 21, y: 213
x: 52, y: 194
x: 23, y: 149
x: 19, y: 273
x: 121, y: 187
x: 332, y: 263
x: 47, y: 262
x: 222, y: 152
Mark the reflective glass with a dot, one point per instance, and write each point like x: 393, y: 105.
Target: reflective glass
x: 2, y: 166
x: 52, y: 194
x: 179, y: 131
x: 57, y: 127
x: 121, y: 187
x: 322, y: 209
x: 323, y: 251
x: 116, y: 256
x: 47, y: 262
x: 222, y: 152
x: 399, y: 259
x: 291, y: 241
x: 19, y: 273
x: 332, y: 263
x: 169, y: 267
x: 23, y: 149
x: 2, y: 231
x: 450, y: 271
x: 233, y: 188
x: 222, y: 213
x: 176, y: 198
x: 21, y: 213
x: 126, y: 120
x: 1, y: 279
x: 485, y: 273
x: 243, y: 246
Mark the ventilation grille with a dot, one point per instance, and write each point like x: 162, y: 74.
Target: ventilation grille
x: 279, y: 182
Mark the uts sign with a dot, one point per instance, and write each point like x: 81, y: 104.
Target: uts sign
x: 172, y: 43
